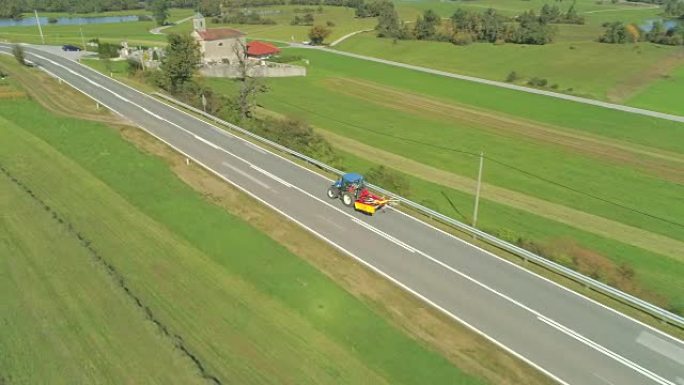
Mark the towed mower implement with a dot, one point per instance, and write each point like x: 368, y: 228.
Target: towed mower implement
x: 350, y: 188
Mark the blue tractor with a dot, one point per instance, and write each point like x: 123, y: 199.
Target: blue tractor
x: 347, y: 188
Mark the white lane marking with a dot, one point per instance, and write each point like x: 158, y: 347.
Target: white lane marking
x: 246, y: 175
x: 603, y: 379
x: 439, y: 262
x: 268, y: 174
x: 210, y: 144
x: 654, y: 377
x: 662, y: 347
x: 384, y: 235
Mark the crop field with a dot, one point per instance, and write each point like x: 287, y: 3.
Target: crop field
x: 342, y: 18
x: 586, y: 168
x: 575, y: 62
x: 178, y: 289
x: 135, y: 32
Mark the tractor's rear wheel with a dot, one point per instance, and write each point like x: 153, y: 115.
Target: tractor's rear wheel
x: 347, y: 199
x: 333, y: 192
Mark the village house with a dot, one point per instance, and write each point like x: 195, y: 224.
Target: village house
x: 261, y: 50
x: 217, y: 45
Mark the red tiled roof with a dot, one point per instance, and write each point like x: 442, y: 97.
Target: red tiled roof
x: 259, y: 48
x: 219, y: 33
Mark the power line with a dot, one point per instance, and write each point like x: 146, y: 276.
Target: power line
x: 499, y: 162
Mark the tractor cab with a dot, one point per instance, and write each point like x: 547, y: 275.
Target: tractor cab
x: 347, y: 188
x: 350, y: 181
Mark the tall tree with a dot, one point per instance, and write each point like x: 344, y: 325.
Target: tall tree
x: 180, y: 62
x: 160, y: 10
x: 318, y: 33
x: 389, y: 24
x: 426, y: 26
x: 11, y: 9
x: 250, y: 86
x: 209, y: 7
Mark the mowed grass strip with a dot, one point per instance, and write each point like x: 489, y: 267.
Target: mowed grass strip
x: 250, y: 310
x: 63, y: 319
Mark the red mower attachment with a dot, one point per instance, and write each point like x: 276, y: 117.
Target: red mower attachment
x: 369, y: 203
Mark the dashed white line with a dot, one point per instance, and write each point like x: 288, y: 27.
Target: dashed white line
x: 246, y: 175
x: 662, y: 347
x: 586, y: 341
x: 268, y: 174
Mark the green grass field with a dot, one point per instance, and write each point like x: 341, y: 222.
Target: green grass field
x: 248, y: 309
x: 62, y: 319
x: 430, y: 120
x: 575, y: 62
x: 664, y: 94
x: 343, y: 19
x: 586, y: 68
x: 135, y: 32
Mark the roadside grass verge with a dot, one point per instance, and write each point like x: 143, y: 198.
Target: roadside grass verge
x: 232, y: 293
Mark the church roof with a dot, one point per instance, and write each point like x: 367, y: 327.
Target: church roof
x: 219, y: 34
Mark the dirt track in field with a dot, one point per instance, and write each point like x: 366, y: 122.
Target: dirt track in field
x: 646, y: 240
x: 661, y: 163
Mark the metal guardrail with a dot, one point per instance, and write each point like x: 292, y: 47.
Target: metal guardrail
x: 591, y: 283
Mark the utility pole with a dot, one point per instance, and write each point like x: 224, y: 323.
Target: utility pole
x: 80, y: 28
x: 40, y: 29
x: 477, y: 192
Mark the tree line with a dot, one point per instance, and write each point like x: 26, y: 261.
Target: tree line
x: 466, y: 26
x: 15, y: 8
x: 621, y: 33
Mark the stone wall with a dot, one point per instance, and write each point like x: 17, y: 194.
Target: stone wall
x: 269, y: 70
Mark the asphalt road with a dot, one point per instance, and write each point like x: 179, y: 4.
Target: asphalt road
x: 569, y: 337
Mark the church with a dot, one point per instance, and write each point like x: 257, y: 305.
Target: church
x: 217, y: 45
